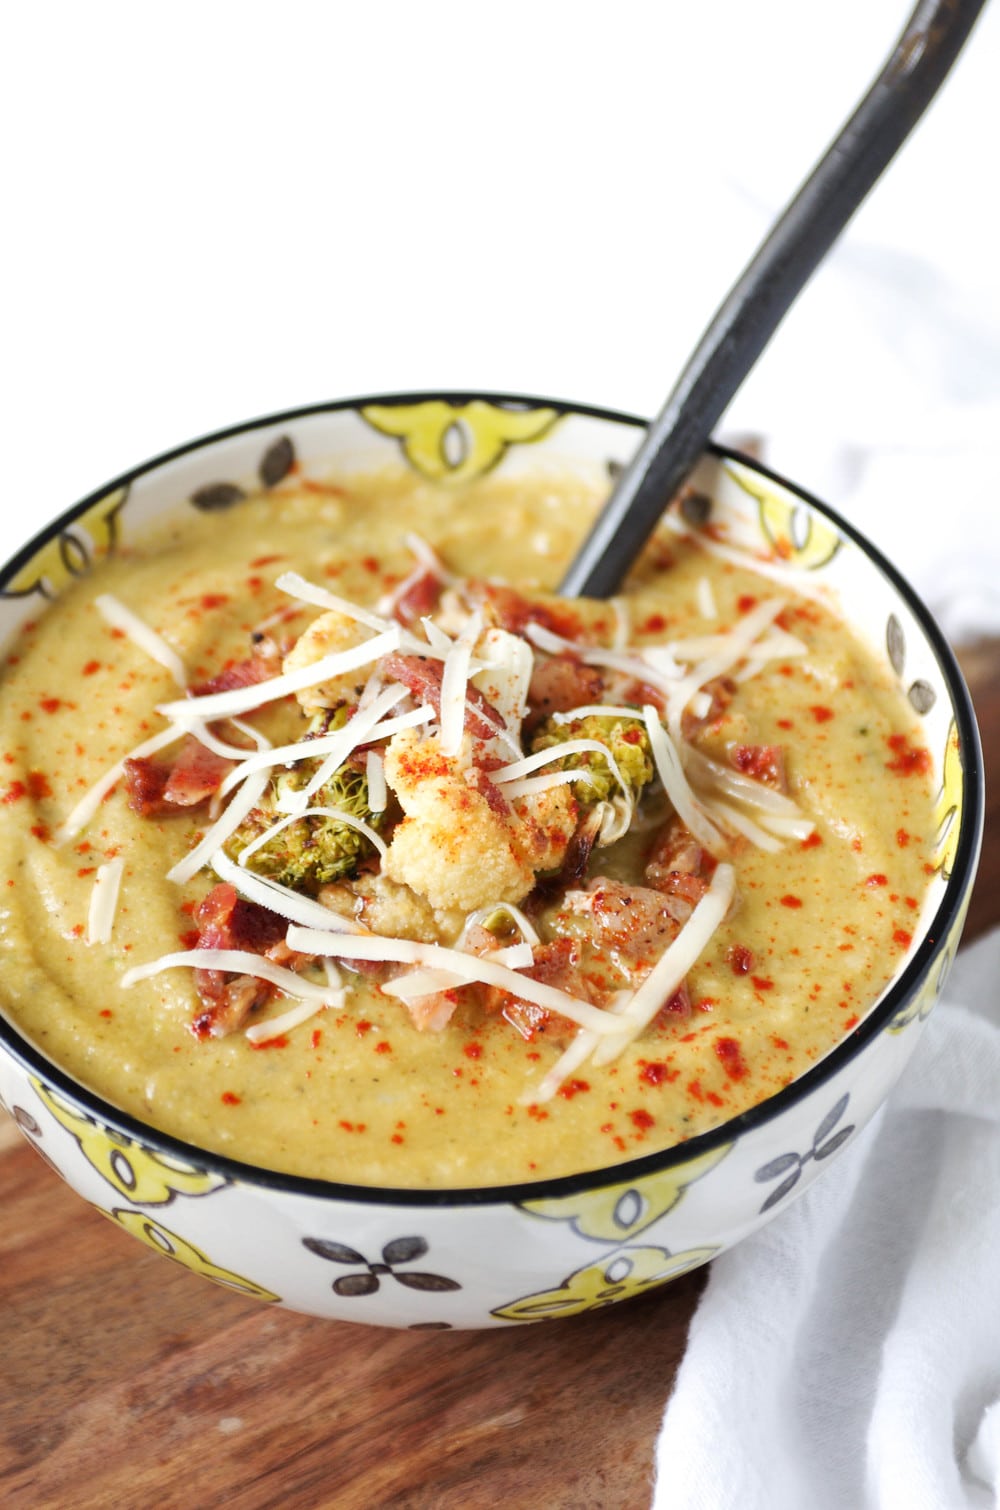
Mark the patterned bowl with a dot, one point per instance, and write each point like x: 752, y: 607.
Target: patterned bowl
x: 510, y: 1254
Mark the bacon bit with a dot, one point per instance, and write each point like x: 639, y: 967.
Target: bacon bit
x: 908, y: 758
x: 417, y: 600
x: 790, y: 901
x: 877, y: 880
x: 230, y: 1098
x: 264, y: 663
x: 762, y: 983
x: 571, y: 1088
x: 812, y: 841
x: 902, y: 838
x: 514, y: 612
x: 91, y: 667
x: 740, y: 959
x: 642, y: 1120
x: 679, y: 1005
x: 155, y: 788
x: 423, y: 678
x: 902, y: 938
x: 677, y: 864
x: 730, y: 1056
x: 189, y: 938
x: 763, y: 763
x: 50, y: 704
x: 721, y: 691
x: 559, y: 683
x: 821, y: 713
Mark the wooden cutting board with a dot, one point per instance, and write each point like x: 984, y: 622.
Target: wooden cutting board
x: 126, y: 1381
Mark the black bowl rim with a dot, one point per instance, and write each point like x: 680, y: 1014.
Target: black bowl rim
x: 625, y: 1171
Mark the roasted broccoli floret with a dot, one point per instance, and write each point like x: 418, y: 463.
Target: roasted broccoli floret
x: 627, y: 740
x: 310, y: 851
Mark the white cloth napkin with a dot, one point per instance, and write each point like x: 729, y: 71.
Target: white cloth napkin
x: 847, y: 1357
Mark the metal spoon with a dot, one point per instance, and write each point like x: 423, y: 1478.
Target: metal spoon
x: 782, y: 265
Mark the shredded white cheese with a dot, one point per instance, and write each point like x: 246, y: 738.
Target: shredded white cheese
x: 241, y: 699
x: 671, y: 773
x: 378, y: 792
x: 236, y: 962
x: 273, y: 1027
x: 104, y: 901
x: 705, y: 599
x: 454, y: 685
x: 119, y: 616
x: 227, y: 823
x: 464, y: 967
x: 291, y: 905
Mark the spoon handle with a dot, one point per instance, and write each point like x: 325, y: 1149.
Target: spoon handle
x: 751, y: 312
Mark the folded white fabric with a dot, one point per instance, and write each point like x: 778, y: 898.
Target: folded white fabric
x: 847, y: 1357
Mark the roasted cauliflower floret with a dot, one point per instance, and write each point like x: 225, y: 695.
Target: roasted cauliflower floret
x: 461, y: 843
x: 331, y: 632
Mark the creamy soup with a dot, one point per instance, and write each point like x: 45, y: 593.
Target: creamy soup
x: 578, y: 935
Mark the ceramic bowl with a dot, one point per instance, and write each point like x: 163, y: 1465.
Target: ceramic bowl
x: 508, y: 1255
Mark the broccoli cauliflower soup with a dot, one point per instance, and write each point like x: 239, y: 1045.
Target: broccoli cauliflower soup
x: 335, y: 841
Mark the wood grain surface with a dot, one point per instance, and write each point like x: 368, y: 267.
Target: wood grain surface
x: 127, y: 1381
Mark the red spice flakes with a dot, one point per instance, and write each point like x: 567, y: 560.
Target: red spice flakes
x: 655, y: 1073
x: 779, y: 1043
x: 14, y: 792
x: 38, y: 786
x: 790, y: 901
x: 695, y: 1091
x: 902, y: 938
x: 87, y: 870
x: 642, y: 1120
x: 705, y: 1003
x: 786, y: 670
x: 91, y: 667
x: 908, y: 758
x: 397, y: 1138
x: 50, y: 704
x: 740, y: 959
x: 186, y: 907
x: 358, y: 1127
x: 77, y: 930
x: 730, y: 1056
x: 852, y: 1021
x: 762, y: 983
x: 106, y: 1012
x: 210, y: 600
x: 911, y: 903
x: 571, y: 1088
x: 317, y: 1037
x: 632, y: 736
x: 745, y: 602
x: 370, y: 563
x: 655, y: 624
x: 280, y: 1042
x: 362, y: 1027
x: 877, y: 880
x: 230, y: 1098
x: 40, y: 831
x: 785, y: 723
x: 902, y: 838
x: 254, y: 584
x: 383, y: 1047
x: 473, y: 1050
x: 259, y: 561
x: 821, y: 713
x: 537, y: 1112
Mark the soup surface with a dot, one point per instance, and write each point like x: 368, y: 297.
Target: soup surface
x: 755, y: 851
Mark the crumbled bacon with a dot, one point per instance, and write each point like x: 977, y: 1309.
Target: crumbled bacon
x: 764, y: 763
x: 260, y: 666
x: 226, y: 921
x: 559, y: 683
x: 417, y: 599
x: 156, y: 787
x: 557, y: 963
x: 634, y: 924
x: 677, y: 864
x: 423, y: 678
x: 721, y: 691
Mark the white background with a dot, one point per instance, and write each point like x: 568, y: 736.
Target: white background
x: 216, y: 210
